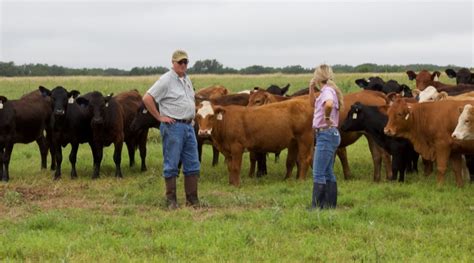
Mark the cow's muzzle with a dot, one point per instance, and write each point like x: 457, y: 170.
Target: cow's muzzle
x: 204, y: 133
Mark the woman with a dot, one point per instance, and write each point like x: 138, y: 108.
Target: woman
x: 325, y: 121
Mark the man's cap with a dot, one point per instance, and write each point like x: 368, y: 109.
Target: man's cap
x: 179, y: 55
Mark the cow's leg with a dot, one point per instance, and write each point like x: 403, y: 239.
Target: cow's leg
x: 457, y: 164
x: 215, y: 155
x: 235, y: 166
x: 131, y: 151
x: 261, y: 164
x: 142, y: 149
x: 470, y: 166
x: 6, y: 161
x: 2, y: 165
x: 442, y: 157
x: 342, y: 154
x: 427, y: 167
x: 58, y: 153
x: 200, y: 142
x: 304, y: 158
x: 41, y: 141
x: 97, y: 153
x: 376, y: 158
x: 49, y: 145
x: 118, y: 157
x: 73, y: 158
x: 253, y: 161
x: 291, y: 159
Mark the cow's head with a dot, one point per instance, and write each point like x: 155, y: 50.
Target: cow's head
x: 274, y: 89
x: 206, y: 116
x: 424, y: 78
x: 465, y: 129
x: 399, y: 118
x: 97, y: 105
x: 406, y: 91
x: 373, y: 83
x: 463, y: 76
x: 60, y: 98
x: 259, y: 97
x: 355, y: 118
x: 428, y: 94
x: 143, y: 119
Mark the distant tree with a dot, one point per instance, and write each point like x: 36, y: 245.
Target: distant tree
x: 207, y: 66
x: 257, y: 69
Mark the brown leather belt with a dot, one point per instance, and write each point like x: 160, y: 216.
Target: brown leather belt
x: 324, y: 128
x: 189, y: 121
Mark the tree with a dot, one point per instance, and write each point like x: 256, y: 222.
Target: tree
x: 207, y: 66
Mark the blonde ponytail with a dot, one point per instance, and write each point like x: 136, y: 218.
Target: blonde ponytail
x: 323, y: 75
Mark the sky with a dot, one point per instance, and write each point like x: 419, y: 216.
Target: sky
x: 238, y: 34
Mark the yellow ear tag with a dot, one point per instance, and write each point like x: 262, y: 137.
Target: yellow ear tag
x: 354, y: 115
x: 219, y: 116
x: 144, y: 111
x: 107, y: 104
x: 1, y: 105
x: 408, y: 116
x: 70, y: 100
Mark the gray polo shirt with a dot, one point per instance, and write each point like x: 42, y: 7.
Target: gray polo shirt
x: 174, y: 96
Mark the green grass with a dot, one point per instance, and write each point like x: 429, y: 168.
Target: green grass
x: 266, y: 219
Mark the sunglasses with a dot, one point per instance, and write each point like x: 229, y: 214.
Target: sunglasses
x: 183, y: 61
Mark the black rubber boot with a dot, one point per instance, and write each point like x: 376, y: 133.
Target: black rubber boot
x: 191, y: 189
x: 171, y: 200
x: 331, y: 194
x: 319, y: 196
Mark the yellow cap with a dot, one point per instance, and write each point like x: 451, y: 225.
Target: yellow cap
x: 179, y: 55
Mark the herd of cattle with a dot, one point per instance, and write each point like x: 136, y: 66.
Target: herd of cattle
x: 400, y: 124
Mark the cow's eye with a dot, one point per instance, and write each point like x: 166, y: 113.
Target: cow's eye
x: 466, y: 121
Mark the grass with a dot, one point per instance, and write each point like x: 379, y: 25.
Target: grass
x: 266, y: 219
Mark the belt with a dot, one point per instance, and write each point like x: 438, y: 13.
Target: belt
x: 324, y: 128
x: 187, y: 121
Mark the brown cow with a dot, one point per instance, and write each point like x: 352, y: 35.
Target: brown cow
x: 212, y: 92
x: 259, y: 97
x: 425, y: 79
x: 131, y: 102
x: 432, y: 139
x: 269, y: 128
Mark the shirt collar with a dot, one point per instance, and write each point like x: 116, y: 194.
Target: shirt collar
x: 176, y: 74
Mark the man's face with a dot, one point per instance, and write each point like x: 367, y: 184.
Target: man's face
x: 180, y: 67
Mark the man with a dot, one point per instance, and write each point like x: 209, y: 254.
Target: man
x: 174, y: 94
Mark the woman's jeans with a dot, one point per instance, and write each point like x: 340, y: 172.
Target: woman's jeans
x: 179, y: 144
x: 327, y: 142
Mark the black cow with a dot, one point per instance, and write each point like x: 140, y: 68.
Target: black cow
x: 463, y: 76
x: 274, y: 89
x: 107, y: 127
x: 70, y: 124
x: 371, y: 120
x: 130, y: 102
x: 378, y: 84
x: 24, y: 121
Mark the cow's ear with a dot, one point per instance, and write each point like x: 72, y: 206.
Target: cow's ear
x: 435, y: 76
x: 285, y: 89
x: 107, y: 99
x: 461, y: 108
x: 363, y: 83
x: 3, y: 99
x: 82, y: 101
x: 450, y: 72
x: 219, y: 112
x: 44, y: 91
x: 411, y: 75
x: 391, y: 97
x: 441, y: 96
x: 73, y: 94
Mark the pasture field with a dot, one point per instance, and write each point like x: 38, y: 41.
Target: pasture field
x: 266, y: 219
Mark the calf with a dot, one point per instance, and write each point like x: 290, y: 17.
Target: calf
x: 24, y: 121
x: 70, y: 124
x: 463, y: 76
x: 107, y: 127
x: 432, y: 139
x: 131, y: 102
x: 372, y: 119
x: 280, y: 125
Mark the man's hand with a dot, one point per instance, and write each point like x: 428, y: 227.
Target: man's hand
x: 166, y: 119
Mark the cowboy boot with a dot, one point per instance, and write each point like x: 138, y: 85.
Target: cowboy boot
x: 171, y: 201
x: 319, y: 196
x: 191, y: 189
x: 331, y: 194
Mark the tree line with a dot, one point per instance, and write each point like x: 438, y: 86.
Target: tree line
x: 207, y: 66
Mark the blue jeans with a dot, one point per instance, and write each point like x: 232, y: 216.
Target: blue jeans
x: 327, y: 142
x: 179, y: 144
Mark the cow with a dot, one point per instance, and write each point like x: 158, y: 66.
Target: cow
x: 424, y: 79
x: 372, y: 119
x: 212, y: 92
x: 463, y: 76
x: 269, y: 128
x: 274, y: 89
x: 465, y: 129
x: 431, y: 139
x: 23, y: 121
x: 131, y: 102
x: 431, y: 94
x: 303, y: 91
x: 70, y: 124
x: 378, y: 84
x: 107, y: 127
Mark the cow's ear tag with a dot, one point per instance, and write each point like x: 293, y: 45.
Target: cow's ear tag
x: 1, y: 105
x: 106, y: 104
x: 144, y: 111
x: 219, y: 116
x: 407, y: 116
x: 71, y: 100
x: 354, y: 115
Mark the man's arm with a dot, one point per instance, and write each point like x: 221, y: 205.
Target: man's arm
x: 150, y: 105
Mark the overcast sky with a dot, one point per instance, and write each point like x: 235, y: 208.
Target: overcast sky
x: 124, y: 34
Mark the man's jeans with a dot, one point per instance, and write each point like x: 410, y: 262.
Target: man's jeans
x: 327, y: 142
x: 179, y: 144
